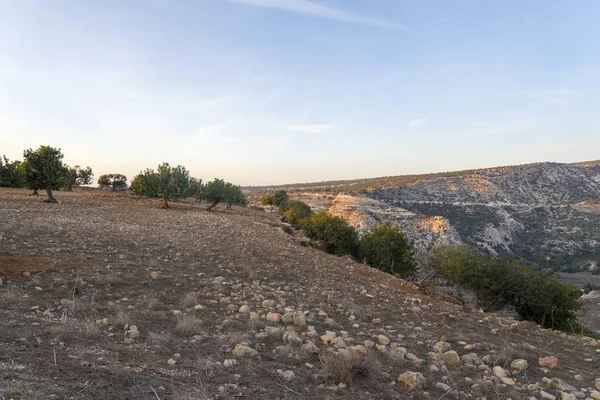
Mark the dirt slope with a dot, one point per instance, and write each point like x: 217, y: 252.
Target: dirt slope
x: 239, y: 309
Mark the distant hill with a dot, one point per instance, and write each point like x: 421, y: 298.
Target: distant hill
x: 544, y: 213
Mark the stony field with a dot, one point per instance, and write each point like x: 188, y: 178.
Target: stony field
x: 106, y: 296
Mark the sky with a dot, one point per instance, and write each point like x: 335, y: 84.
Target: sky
x: 279, y: 91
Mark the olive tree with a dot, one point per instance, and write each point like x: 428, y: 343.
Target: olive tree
x: 11, y: 173
x: 196, y: 188
x: 145, y: 184
x: 234, y: 195
x: 172, y: 182
x: 77, y: 176
x: 214, y: 192
x: 114, y: 181
x: 44, y: 169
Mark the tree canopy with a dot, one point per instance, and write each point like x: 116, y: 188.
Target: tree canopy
x: 11, y: 173
x: 44, y: 169
x: 114, y: 181
x: 77, y: 176
x: 385, y: 247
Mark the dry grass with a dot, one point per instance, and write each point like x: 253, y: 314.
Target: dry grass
x: 152, y: 303
x: 190, y: 299
x: 121, y: 319
x: 92, y: 331
x: 188, y: 325
x: 350, y: 369
x: 11, y: 296
x: 161, y: 339
x: 13, y: 391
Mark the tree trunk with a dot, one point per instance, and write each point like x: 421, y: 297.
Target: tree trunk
x: 50, y: 198
x: 165, y: 203
x: 211, y: 205
x: 228, y: 206
x: 69, y: 188
x: 35, y: 193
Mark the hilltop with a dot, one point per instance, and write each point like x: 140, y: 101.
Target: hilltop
x: 107, y: 296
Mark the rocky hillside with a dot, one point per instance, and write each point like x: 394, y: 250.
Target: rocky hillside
x: 544, y: 213
x: 106, y: 296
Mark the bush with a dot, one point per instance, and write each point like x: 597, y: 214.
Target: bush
x: 295, y: 211
x: 386, y: 248
x: 330, y: 233
x: 534, y: 295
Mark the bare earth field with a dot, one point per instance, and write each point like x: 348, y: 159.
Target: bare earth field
x: 106, y: 296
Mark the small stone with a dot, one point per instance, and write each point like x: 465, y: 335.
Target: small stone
x: 451, y: 359
x: 299, y: 318
x: 567, y: 396
x: 412, y: 380
x: 328, y: 336
x: 595, y: 395
x: 244, y: 309
x: 273, y: 317
x: 230, y: 363
x: 243, y: 351
x: 443, y: 386
x: 311, y: 347
x: 507, y: 381
x: 26, y: 274
x: 548, y: 362
x: 519, y: 364
x: 500, y: 372
x: 177, y: 312
x: 38, y: 288
x: 268, y: 303
x: 288, y: 375
x: 338, y: 343
x: 154, y: 275
x: 382, y: 339
x: 198, y: 307
x: 597, y: 383
x: 176, y: 356
x: 471, y: 359
x: 442, y: 347
x: 171, y: 361
x: 546, y: 395
x: 288, y: 318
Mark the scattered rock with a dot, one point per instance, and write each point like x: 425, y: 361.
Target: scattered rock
x: 442, y: 347
x: 273, y: 317
x: 243, y: 351
x: 451, y: 359
x: 244, y: 309
x: 519, y: 364
x: 412, y: 380
x: 548, y: 362
x: 154, y: 275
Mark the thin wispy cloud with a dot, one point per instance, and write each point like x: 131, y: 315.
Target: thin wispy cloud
x: 312, y: 128
x: 315, y: 9
x: 416, y: 123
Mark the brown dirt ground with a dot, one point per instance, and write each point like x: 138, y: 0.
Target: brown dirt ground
x: 91, y: 257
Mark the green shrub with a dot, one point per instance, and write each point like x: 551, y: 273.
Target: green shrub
x: 385, y: 247
x: 295, y: 211
x: 332, y: 234
x: 534, y: 295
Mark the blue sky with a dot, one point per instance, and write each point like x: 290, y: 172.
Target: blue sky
x: 275, y: 91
